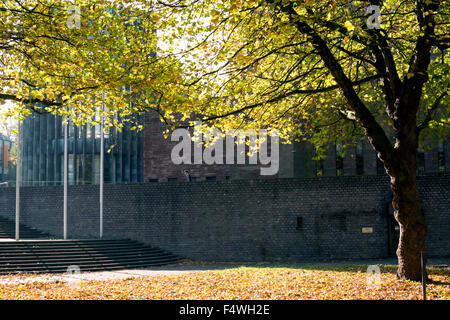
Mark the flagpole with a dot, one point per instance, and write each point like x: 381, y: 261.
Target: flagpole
x: 18, y: 178
x: 66, y: 124
x: 102, y: 143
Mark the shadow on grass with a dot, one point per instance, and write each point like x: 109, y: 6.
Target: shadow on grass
x: 391, y: 269
x: 438, y: 283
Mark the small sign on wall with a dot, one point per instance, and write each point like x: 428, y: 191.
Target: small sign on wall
x: 367, y: 230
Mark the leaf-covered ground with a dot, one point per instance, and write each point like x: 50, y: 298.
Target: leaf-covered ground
x: 344, y: 282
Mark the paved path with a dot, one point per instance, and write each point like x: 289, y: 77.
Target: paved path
x: 191, y: 267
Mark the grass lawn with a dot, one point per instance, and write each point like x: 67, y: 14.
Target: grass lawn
x: 343, y: 282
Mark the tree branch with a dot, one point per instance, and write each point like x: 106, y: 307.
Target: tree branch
x: 374, y: 131
x: 30, y: 101
x: 431, y: 111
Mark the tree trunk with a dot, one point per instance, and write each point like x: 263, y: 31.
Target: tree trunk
x: 409, y: 214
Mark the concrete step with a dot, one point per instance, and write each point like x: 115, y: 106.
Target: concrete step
x: 89, y: 255
x: 8, y: 231
x: 55, y: 256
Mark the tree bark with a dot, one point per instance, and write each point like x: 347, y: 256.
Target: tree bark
x: 407, y: 209
x: 409, y: 214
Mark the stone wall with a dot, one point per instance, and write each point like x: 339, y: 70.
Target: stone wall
x: 240, y: 220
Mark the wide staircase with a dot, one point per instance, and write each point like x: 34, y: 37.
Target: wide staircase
x: 56, y: 256
x: 60, y: 256
x: 8, y: 231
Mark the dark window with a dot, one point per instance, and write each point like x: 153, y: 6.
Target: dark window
x: 80, y: 166
x: 420, y: 162
x: 152, y: 180
x: 71, y: 130
x: 380, y: 167
x: 441, y: 156
x: 319, y: 168
x: 79, y: 132
x: 339, y: 161
x: 359, y: 158
x: 227, y: 177
x: 339, y: 166
x: 342, y: 223
x: 210, y: 178
x: 299, y: 223
x: 172, y: 179
x: 193, y: 179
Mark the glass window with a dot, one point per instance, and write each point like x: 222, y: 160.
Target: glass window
x: 339, y: 160
x: 71, y: 130
x: 88, y: 169
x: 97, y: 131
x: 97, y: 126
x: 299, y: 223
x: 319, y: 168
x: 359, y: 158
x: 106, y: 132
x: 380, y: 167
x: 80, y: 166
x: 88, y: 131
x: 70, y: 169
x: 420, y: 162
x: 79, y: 132
x: 441, y: 156
x: 97, y: 169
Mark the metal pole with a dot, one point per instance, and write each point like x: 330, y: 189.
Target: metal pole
x: 424, y: 275
x: 3, y: 160
x: 65, y: 178
x: 102, y: 142
x: 18, y: 178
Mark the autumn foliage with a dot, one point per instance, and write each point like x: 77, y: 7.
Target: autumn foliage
x: 323, y: 283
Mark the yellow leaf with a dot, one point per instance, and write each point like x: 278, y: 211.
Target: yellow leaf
x: 349, y: 26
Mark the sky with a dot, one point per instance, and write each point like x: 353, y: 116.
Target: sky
x: 9, y: 122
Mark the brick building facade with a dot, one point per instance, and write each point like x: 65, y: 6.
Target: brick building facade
x: 296, y: 160
x: 145, y: 156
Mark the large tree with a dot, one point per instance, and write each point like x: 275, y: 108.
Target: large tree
x: 322, y: 71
